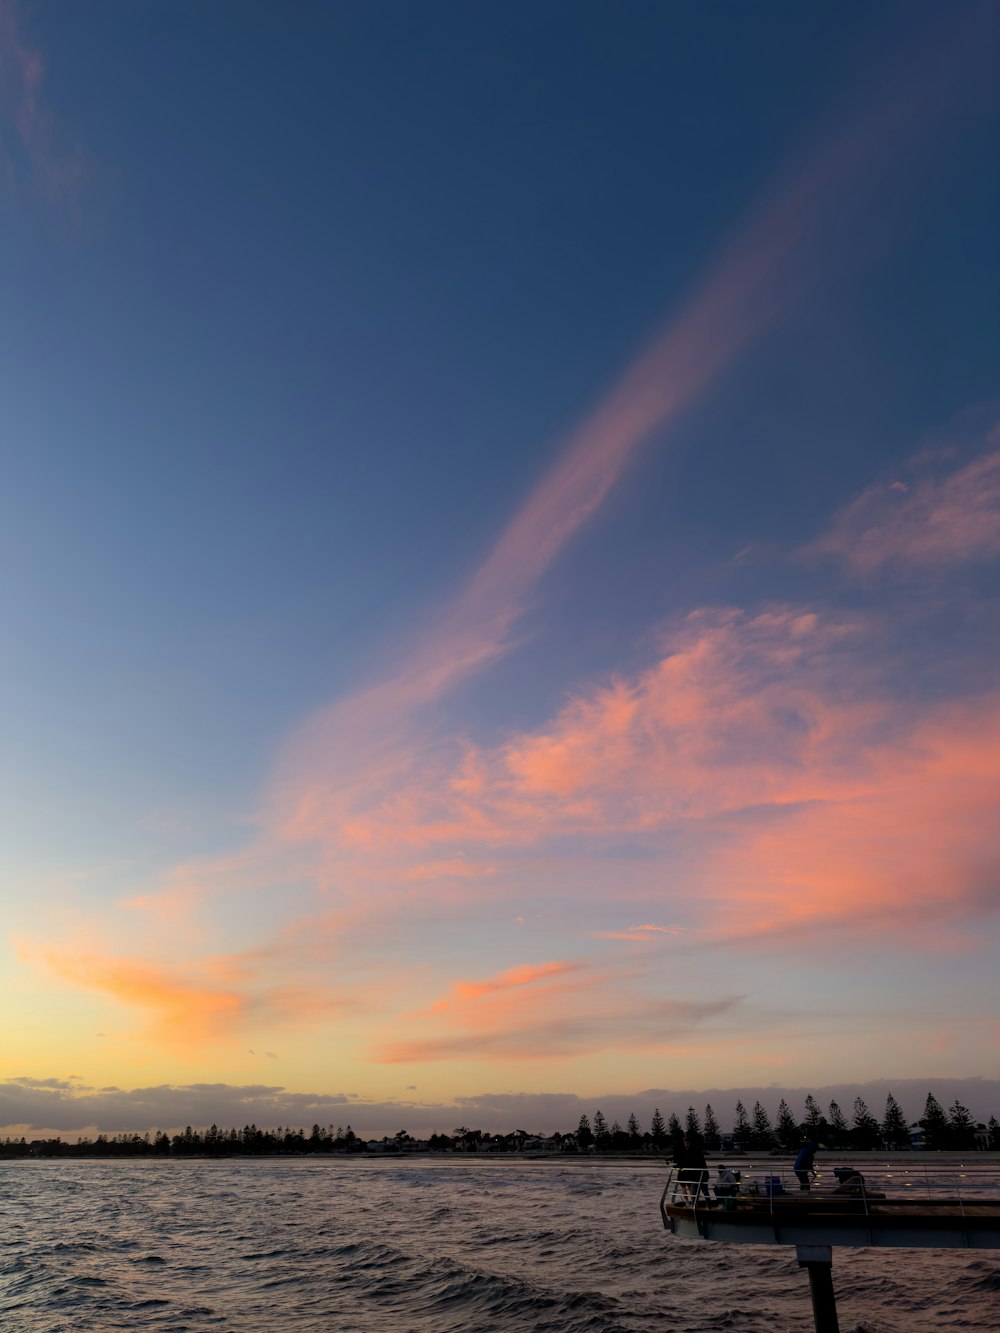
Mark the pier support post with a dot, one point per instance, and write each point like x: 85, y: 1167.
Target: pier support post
x: 818, y: 1260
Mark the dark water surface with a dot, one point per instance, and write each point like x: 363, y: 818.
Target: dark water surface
x: 424, y: 1245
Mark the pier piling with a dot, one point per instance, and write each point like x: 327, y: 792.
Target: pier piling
x: 818, y: 1261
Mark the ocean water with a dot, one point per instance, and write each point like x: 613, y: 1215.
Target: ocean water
x: 424, y: 1245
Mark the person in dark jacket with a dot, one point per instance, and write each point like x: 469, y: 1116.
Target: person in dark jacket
x: 803, y: 1167
x: 692, y: 1169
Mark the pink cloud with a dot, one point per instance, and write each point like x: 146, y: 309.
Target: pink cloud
x: 638, y: 934
x: 458, y: 867
x: 32, y: 143
x: 739, y: 710
x: 771, y: 731
x: 917, y: 849
x: 945, y: 517
x: 630, y: 936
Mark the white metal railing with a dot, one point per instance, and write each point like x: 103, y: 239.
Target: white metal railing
x: 762, y: 1181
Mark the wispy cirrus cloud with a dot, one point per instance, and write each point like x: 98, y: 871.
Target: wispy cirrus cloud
x: 938, y: 517
x: 37, y: 152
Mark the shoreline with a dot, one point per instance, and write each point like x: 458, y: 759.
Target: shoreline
x: 914, y: 1157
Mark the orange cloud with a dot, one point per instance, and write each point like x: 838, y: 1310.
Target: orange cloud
x: 187, y: 1010
x: 514, y: 978
x: 636, y: 934
x: 552, y: 1010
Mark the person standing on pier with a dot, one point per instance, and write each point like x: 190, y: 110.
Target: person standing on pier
x: 692, y: 1173
x: 803, y: 1167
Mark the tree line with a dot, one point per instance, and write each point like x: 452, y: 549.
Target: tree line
x: 939, y: 1129
x: 754, y: 1131
x: 213, y: 1142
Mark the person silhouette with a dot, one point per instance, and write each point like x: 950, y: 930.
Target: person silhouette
x: 803, y: 1166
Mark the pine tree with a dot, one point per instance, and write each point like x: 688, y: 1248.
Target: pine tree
x: 675, y: 1131
x: 814, y: 1127
x: 712, y: 1140
x: 934, y: 1123
x: 994, y: 1128
x: 838, y: 1130
x: 692, y: 1125
x: 786, y: 1128
x: 741, y: 1126
x: 961, y: 1126
x: 761, y: 1134
x: 864, y: 1129
x: 584, y: 1134
x: 895, y: 1130
x: 658, y: 1130
x: 634, y: 1132
x: 813, y: 1119
x: 600, y: 1131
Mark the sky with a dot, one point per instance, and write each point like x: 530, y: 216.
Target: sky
x: 498, y: 558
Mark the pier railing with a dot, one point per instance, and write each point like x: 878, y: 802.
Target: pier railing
x: 761, y: 1180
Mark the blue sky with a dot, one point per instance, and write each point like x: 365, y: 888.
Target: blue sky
x: 304, y: 312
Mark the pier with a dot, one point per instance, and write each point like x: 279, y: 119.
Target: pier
x: 911, y: 1205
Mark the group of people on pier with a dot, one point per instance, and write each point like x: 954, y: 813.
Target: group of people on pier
x: 692, y: 1172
